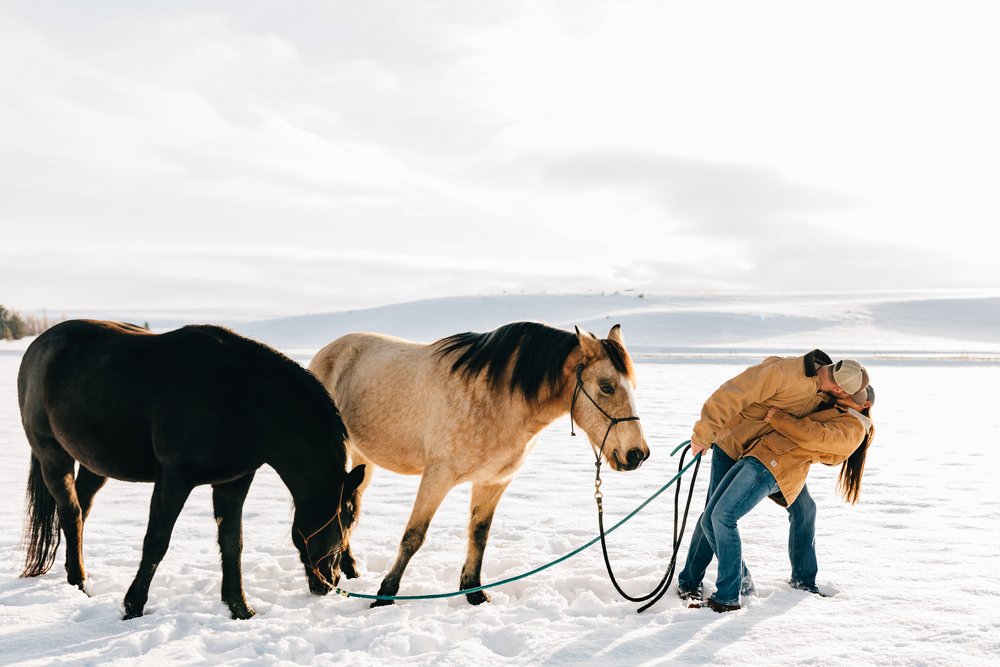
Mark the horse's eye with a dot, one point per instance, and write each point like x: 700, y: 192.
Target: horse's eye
x: 608, y: 388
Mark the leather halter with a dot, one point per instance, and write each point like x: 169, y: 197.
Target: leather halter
x: 314, y: 565
x: 612, y: 420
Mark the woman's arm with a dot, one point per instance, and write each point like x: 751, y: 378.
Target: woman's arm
x: 839, y: 436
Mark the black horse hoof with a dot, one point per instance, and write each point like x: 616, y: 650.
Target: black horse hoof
x: 131, y: 613
x: 381, y: 603
x: 477, y: 598
x: 241, y: 611
x: 349, y: 568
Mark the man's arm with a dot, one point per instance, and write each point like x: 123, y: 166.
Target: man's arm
x: 754, y: 385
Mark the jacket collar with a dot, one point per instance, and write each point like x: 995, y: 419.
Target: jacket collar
x: 865, y: 421
x: 814, y: 360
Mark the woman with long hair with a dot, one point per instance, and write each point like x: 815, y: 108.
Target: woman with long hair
x: 776, y: 464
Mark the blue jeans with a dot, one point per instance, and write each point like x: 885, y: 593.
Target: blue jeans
x: 744, y: 486
x: 802, y: 539
x: 801, y: 535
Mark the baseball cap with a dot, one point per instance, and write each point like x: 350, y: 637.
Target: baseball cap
x: 849, y: 375
x: 862, y: 395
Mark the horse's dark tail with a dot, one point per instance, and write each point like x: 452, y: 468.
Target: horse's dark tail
x: 41, y: 524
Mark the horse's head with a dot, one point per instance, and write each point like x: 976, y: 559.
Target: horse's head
x: 321, y: 537
x: 604, y: 400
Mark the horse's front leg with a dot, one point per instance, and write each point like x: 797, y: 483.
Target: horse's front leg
x: 169, y: 494
x: 228, y: 501
x: 348, y: 564
x: 482, y: 506
x: 434, y: 486
x: 88, y: 483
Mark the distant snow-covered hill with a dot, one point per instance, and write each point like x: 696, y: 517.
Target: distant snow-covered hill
x: 883, y: 324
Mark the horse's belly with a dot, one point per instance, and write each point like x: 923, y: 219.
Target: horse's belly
x: 393, y: 457
x: 122, y: 459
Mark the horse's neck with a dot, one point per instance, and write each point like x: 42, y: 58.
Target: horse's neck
x: 310, y: 473
x: 551, y: 407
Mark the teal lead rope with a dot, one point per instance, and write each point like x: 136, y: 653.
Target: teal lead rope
x: 433, y: 596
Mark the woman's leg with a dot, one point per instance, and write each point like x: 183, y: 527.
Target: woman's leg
x: 740, y: 491
x: 802, y: 541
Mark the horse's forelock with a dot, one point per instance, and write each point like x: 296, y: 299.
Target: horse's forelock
x: 619, y: 358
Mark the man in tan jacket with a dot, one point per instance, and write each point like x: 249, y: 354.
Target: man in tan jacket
x: 734, y: 415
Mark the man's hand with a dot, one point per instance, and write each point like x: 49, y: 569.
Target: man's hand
x: 697, y: 449
x: 770, y: 413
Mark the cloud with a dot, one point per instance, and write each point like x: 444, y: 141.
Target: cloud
x: 270, y: 280
x: 705, y: 196
x: 356, y: 155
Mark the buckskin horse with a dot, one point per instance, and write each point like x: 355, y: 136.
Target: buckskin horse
x: 468, y: 408
x: 199, y: 405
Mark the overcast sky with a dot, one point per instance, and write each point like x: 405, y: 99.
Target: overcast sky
x: 314, y: 156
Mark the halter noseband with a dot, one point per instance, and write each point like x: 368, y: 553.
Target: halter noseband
x: 613, y: 420
x: 314, y: 565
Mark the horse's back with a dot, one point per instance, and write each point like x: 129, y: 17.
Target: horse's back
x: 380, y: 384
x: 366, y: 358
x: 125, y: 402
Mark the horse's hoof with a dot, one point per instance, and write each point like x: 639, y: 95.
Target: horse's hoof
x: 478, y: 597
x: 349, y: 568
x: 241, y: 611
x: 381, y: 603
x: 131, y: 613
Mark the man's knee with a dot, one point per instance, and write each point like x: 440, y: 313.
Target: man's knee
x: 705, y: 523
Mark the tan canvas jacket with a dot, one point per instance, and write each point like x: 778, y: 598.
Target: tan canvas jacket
x: 829, y: 436
x: 734, y: 414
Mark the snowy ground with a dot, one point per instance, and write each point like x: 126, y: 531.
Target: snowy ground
x: 912, y: 567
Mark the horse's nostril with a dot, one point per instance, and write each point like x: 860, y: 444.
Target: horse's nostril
x: 635, y: 457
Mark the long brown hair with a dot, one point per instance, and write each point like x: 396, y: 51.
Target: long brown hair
x: 849, y: 481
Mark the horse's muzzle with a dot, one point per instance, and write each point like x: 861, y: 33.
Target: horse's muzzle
x: 633, y: 459
x: 319, y: 584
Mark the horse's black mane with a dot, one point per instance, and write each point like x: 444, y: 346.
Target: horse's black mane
x: 538, y: 352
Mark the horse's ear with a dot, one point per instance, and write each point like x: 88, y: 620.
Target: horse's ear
x: 589, y: 344
x: 354, y: 479
x: 616, y: 335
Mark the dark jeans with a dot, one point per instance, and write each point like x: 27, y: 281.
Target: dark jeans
x: 801, y: 536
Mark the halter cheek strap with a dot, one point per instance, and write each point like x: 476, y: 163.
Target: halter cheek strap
x: 314, y: 565
x: 613, y: 420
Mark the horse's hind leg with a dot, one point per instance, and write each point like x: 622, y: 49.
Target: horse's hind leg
x: 228, y: 502
x: 348, y: 564
x: 169, y: 493
x: 87, y: 485
x: 482, y: 506
x: 434, y: 486
x: 57, y: 472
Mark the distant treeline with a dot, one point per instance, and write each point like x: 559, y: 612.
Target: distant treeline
x: 14, y: 326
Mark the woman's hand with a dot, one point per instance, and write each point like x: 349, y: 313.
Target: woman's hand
x: 770, y: 413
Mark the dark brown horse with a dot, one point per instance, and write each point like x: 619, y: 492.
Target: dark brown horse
x: 199, y: 405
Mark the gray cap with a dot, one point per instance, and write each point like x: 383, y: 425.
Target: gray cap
x: 849, y: 375
x: 862, y: 395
